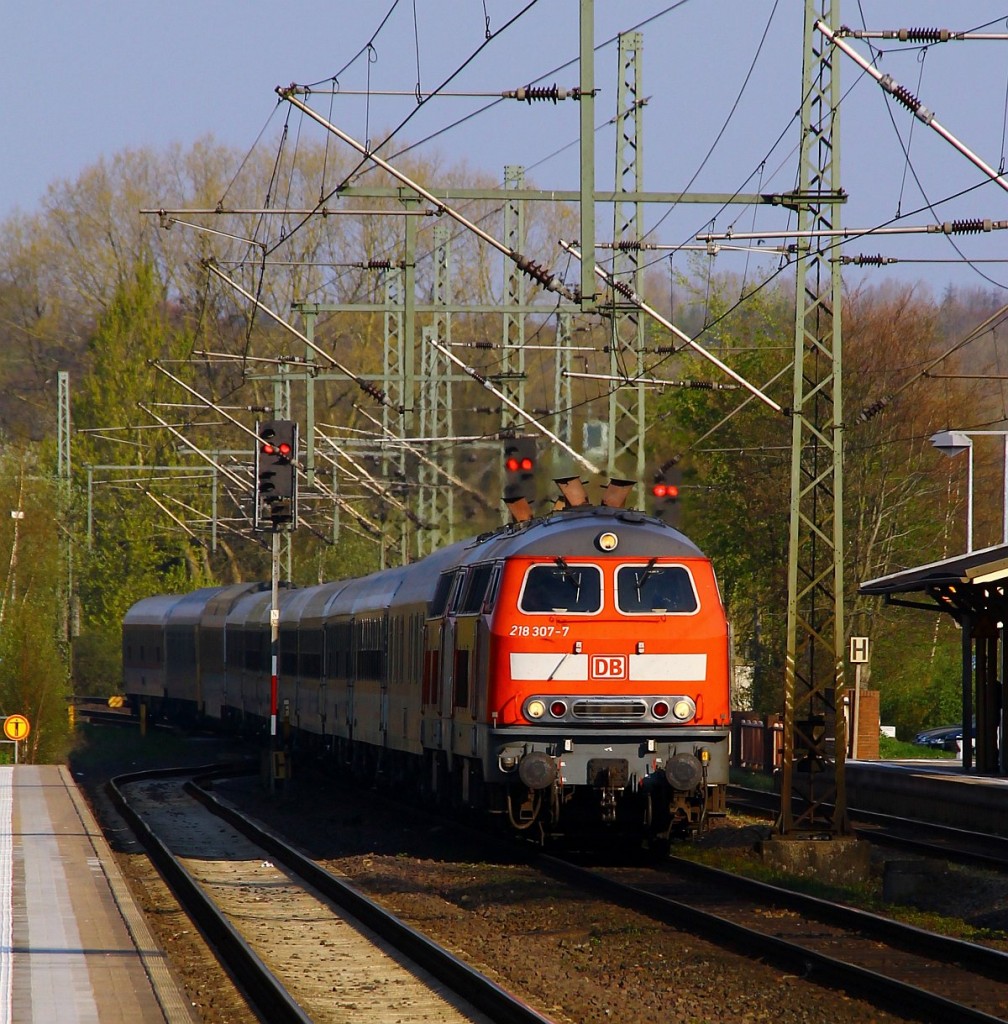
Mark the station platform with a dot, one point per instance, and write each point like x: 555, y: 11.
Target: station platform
x: 930, y: 790
x: 74, y: 947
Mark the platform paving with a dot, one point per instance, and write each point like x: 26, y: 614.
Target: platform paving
x: 74, y: 947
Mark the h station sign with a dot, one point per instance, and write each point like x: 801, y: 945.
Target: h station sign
x: 859, y: 650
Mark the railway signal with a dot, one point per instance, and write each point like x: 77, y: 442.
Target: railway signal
x: 519, y: 469
x: 665, y: 492
x: 276, y: 476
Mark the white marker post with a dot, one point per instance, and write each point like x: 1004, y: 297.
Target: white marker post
x: 858, y: 657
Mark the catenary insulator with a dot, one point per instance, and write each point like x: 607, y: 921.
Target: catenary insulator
x: 868, y: 260
x: 533, y: 93
x: 924, y: 35
x: 970, y: 226
x: 534, y: 270
x: 907, y: 98
x: 623, y: 288
x: 871, y: 411
x: 370, y: 389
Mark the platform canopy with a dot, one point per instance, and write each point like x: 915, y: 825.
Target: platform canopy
x: 973, y: 589
x: 971, y: 583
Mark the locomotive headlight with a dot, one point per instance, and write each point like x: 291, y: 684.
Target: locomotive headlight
x: 535, y: 709
x: 683, y: 709
x: 607, y: 541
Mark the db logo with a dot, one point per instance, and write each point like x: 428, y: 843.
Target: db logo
x: 609, y: 666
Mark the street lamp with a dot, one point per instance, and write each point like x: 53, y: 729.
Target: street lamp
x: 952, y: 442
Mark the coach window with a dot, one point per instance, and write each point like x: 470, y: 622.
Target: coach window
x: 562, y: 587
x: 439, y: 602
x: 649, y: 589
x: 288, y: 652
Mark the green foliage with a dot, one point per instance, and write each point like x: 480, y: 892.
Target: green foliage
x: 919, y: 674
x: 34, y: 678
x: 902, y: 750
x: 129, y: 554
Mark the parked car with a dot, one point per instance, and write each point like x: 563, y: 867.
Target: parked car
x: 945, y: 737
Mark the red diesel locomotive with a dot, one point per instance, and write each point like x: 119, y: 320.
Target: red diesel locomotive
x: 568, y: 671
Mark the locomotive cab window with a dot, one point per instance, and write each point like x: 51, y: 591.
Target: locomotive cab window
x: 475, y: 589
x: 650, y: 588
x: 562, y: 587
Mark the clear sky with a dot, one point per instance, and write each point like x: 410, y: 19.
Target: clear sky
x: 85, y: 80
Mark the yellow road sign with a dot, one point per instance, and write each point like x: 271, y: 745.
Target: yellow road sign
x: 16, y: 727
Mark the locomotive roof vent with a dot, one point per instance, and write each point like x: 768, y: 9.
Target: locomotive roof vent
x: 616, y: 493
x: 573, y: 495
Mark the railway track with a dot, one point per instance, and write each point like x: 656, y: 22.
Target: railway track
x: 904, y: 970
x: 928, y: 839
x: 909, y: 973
x: 898, y: 967
x: 286, y: 928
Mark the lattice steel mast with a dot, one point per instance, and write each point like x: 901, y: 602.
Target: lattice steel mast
x: 626, y: 351
x: 812, y: 792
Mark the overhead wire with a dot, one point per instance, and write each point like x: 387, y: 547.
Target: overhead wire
x: 420, y: 104
x: 727, y: 121
x: 763, y: 284
x: 877, y: 54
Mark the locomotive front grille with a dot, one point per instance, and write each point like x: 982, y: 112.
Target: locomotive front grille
x: 609, y: 709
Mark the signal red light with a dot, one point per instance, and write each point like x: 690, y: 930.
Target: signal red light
x: 512, y: 465
x: 284, y: 450
x: 526, y: 465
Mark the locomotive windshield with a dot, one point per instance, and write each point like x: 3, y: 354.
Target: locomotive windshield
x: 561, y: 587
x: 641, y: 589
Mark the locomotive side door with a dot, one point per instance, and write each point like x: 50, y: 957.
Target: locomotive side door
x: 465, y: 675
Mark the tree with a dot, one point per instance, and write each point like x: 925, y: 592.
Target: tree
x: 34, y: 677
x: 129, y: 554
